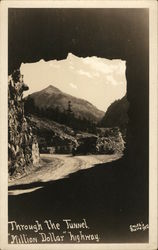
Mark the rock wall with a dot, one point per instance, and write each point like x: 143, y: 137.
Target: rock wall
x: 107, y: 141
x: 22, y: 144
x: 110, y: 141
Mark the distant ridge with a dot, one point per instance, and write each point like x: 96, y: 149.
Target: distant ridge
x: 116, y: 114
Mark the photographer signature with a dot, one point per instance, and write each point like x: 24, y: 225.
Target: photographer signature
x: 139, y: 227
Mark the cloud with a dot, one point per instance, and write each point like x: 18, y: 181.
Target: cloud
x: 97, y: 74
x: 84, y: 73
x: 71, y: 67
x: 73, y: 85
x: 121, y: 68
x: 111, y: 80
x: 56, y: 66
x: 105, y: 66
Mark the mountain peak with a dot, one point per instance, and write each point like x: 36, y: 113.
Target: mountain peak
x: 51, y: 89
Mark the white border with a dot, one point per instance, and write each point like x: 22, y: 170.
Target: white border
x: 152, y: 5
x: 79, y: 4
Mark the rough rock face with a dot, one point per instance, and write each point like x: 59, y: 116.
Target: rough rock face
x: 111, y: 141
x: 107, y: 141
x: 22, y: 144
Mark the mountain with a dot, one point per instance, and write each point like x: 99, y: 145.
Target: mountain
x: 116, y: 115
x: 54, y: 101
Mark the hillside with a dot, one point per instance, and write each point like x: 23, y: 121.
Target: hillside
x: 54, y: 137
x: 116, y: 115
x: 50, y: 133
x: 53, y: 101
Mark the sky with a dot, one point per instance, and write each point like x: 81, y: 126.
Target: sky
x: 98, y: 80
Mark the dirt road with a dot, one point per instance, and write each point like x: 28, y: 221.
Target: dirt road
x: 54, y: 167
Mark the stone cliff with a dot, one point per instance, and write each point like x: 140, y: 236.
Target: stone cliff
x: 22, y: 144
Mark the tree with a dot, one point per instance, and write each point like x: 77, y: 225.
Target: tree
x: 69, y: 109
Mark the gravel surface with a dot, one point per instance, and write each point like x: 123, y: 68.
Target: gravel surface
x: 54, y: 167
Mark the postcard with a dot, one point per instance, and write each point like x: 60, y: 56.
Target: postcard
x: 78, y: 125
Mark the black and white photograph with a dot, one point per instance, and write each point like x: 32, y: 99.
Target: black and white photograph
x: 78, y: 126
